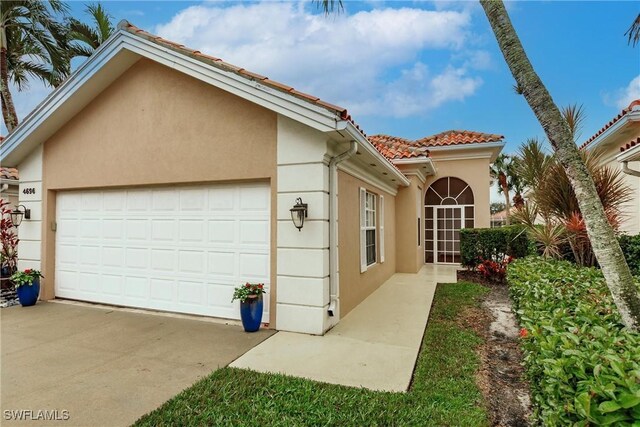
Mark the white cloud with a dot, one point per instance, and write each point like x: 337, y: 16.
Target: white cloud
x: 622, y: 97
x: 368, y: 62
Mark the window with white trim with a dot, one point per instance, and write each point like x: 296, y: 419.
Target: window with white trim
x: 368, y: 238
x: 381, y: 248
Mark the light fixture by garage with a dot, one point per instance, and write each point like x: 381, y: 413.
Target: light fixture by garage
x: 299, y: 213
x: 17, y: 215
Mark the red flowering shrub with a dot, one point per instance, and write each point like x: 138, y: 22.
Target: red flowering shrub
x: 494, y: 271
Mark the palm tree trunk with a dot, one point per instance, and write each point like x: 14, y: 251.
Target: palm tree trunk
x: 507, y: 204
x: 605, y: 244
x: 8, y: 108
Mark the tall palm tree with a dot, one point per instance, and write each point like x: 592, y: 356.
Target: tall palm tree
x: 32, y: 45
x: 85, y: 38
x: 605, y: 244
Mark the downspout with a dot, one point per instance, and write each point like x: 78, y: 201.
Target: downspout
x: 626, y: 169
x: 333, y: 225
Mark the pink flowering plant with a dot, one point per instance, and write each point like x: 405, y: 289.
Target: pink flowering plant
x: 247, y: 291
x: 26, y: 277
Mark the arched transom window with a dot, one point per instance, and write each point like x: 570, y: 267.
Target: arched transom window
x: 449, y: 207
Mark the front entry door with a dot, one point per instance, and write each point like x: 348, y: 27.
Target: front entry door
x: 448, y: 222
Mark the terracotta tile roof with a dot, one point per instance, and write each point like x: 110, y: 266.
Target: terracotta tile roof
x: 457, y: 137
x: 635, y: 103
x: 9, y: 173
x: 630, y: 144
x: 219, y: 63
x: 393, y: 147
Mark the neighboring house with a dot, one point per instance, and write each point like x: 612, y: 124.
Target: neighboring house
x: 499, y: 219
x: 619, y: 140
x: 159, y: 177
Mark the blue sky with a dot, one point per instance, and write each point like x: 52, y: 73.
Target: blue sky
x: 411, y: 69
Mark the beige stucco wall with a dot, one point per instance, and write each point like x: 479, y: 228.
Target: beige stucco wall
x: 631, y: 210
x: 409, y: 255
x: 156, y: 126
x: 475, y: 172
x: 356, y: 286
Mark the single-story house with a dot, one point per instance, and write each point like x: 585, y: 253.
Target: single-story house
x: 160, y: 177
x: 619, y: 141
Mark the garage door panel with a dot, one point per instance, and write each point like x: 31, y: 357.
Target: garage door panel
x: 111, y: 284
x: 163, y: 259
x: 137, y: 258
x: 222, y: 231
x: 179, y: 249
x: 164, y: 200
x: 138, y: 200
x: 136, y: 287
x: 88, y: 282
x: 192, y: 262
x: 192, y: 230
x: 89, y: 256
x: 66, y: 281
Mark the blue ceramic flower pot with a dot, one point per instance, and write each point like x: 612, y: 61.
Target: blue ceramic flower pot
x: 28, y: 294
x: 251, y: 313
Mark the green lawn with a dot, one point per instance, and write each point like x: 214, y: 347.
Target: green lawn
x: 443, y: 392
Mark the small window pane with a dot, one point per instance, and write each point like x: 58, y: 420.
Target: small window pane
x: 371, y: 246
x: 468, y: 212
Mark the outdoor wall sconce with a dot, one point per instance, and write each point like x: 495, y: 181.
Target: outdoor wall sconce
x: 17, y: 215
x: 298, y: 213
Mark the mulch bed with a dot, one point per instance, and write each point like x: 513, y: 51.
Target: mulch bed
x: 501, y: 375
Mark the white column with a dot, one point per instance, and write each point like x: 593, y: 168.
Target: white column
x: 303, y: 256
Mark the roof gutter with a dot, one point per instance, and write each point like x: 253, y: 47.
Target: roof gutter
x: 370, y: 149
x: 459, y: 147
x: 631, y: 116
x: 417, y: 161
x: 626, y: 169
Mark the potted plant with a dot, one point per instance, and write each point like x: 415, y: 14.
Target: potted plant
x: 27, y: 285
x: 251, y: 306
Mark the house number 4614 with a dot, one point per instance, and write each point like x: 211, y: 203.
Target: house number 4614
x: 29, y: 190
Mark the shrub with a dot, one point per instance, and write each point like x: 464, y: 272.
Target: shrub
x: 582, y: 363
x: 479, y: 244
x: 494, y: 271
x: 631, y: 247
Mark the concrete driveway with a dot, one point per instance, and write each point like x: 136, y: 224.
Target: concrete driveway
x: 105, y: 367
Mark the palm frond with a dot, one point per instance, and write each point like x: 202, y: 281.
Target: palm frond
x: 633, y: 33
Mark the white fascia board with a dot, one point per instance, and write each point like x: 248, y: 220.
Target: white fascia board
x: 458, y: 151
x: 629, y: 155
x: 358, y: 171
x: 631, y: 116
x: 466, y: 147
x: 370, y: 149
x: 426, y: 161
x: 280, y: 102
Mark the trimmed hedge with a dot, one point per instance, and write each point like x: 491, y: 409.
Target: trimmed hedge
x: 631, y: 247
x: 582, y: 363
x: 477, y: 244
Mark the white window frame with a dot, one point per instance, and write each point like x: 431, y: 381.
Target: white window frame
x: 381, y: 228
x: 364, y: 227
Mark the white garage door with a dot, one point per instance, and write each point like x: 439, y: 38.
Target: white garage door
x: 180, y: 249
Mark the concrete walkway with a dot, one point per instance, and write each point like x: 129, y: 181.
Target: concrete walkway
x: 375, y: 346
x: 106, y: 367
